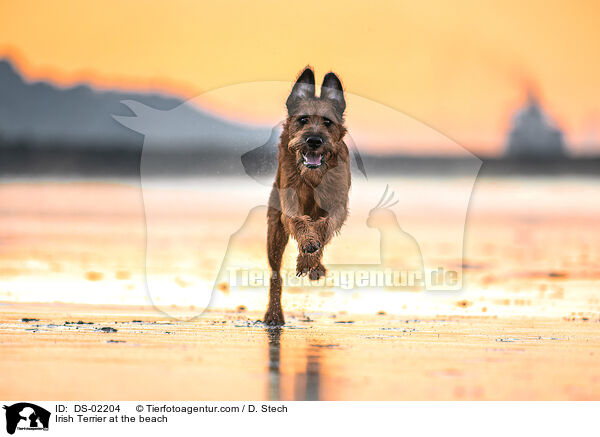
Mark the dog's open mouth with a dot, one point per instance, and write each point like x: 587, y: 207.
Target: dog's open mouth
x: 312, y: 159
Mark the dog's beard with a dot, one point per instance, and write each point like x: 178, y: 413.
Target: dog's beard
x: 307, y: 159
x: 313, y: 174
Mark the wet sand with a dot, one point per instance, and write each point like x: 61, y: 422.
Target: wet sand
x: 531, y: 248
x: 524, y: 326
x: 88, y: 352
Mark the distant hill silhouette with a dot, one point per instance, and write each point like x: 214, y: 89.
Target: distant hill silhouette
x: 38, y: 113
x: 41, y: 112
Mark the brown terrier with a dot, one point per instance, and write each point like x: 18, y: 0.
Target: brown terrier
x: 309, y: 200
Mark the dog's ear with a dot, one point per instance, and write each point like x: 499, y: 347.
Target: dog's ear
x: 303, y: 88
x: 332, y: 90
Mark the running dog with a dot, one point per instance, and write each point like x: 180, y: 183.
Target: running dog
x: 309, y: 200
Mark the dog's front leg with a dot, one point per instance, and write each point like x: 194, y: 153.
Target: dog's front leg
x: 297, y: 225
x: 327, y: 227
x: 302, y: 231
x: 311, y: 248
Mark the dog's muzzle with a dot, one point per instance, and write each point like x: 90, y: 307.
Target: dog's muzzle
x: 312, y: 158
x: 314, y: 142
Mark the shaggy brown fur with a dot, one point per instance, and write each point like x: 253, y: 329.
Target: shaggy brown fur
x: 309, y: 200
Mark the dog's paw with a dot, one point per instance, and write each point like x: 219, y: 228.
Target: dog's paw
x: 317, y: 272
x: 310, y: 245
x: 303, y: 264
x: 274, y: 317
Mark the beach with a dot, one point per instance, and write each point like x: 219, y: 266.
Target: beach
x: 97, y: 353
x: 87, y: 314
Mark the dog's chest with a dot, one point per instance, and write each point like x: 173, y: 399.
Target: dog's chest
x: 308, y: 204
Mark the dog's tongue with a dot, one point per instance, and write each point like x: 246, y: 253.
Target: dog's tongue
x: 312, y: 159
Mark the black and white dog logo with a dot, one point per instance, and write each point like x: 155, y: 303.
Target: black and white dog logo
x: 26, y: 416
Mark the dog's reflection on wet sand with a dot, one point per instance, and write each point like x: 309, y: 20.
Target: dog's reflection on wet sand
x: 306, y: 383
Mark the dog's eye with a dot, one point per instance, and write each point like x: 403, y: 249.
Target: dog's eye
x: 327, y: 122
x: 303, y: 120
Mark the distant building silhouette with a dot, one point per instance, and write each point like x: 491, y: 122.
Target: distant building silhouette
x: 533, y: 134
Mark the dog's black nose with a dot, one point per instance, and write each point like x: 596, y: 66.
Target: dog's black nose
x: 314, y: 141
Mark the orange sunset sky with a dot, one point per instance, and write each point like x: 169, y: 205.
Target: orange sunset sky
x: 461, y: 67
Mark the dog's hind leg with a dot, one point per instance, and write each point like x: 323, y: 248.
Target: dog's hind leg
x: 277, y: 239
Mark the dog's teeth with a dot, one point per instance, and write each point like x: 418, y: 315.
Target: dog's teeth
x: 312, y: 160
